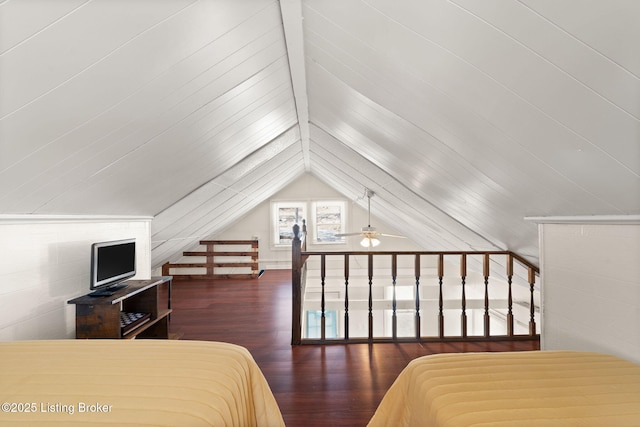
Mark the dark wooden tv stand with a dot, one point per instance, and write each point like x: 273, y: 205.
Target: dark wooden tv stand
x: 99, y: 317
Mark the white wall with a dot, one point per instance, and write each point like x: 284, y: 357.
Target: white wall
x: 45, y: 261
x: 307, y: 188
x: 591, y: 285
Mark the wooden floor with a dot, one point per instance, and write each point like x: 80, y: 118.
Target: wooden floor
x: 334, y: 385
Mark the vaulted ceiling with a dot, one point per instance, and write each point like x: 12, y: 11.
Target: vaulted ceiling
x: 463, y: 116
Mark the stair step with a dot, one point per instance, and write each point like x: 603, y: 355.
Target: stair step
x: 207, y: 253
x: 215, y: 264
x: 210, y: 265
x: 253, y: 243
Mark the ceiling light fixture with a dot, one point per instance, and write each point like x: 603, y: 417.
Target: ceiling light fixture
x: 369, y: 242
x: 369, y: 234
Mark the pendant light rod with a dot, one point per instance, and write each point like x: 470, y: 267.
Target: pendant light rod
x: 369, y: 194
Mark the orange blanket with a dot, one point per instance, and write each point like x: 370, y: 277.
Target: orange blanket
x: 133, y: 382
x: 513, y: 389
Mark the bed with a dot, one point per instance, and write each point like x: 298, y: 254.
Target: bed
x: 133, y: 382
x: 541, y: 388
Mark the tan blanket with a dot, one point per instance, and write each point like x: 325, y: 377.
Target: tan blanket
x: 133, y: 382
x: 513, y: 389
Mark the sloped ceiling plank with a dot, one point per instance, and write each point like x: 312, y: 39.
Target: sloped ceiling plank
x: 438, y: 120
x: 203, y: 208
x: 198, y: 145
x: 609, y: 27
x: 110, y: 154
x: 91, y: 90
x: 284, y: 142
x: 453, y: 183
x: 185, y: 87
x: 214, y: 207
x: 351, y: 184
x: 23, y: 66
x: 236, y: 115
x: 578, y: 169
x: 552, y: 43
x: 229, y: 178
x: 556, y: 94
x: 349, y: 172
x: 15, y: 30
x: 156, y: 182
x: 227, y: 209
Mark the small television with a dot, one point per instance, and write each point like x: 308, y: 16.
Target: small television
x: 112, y: 263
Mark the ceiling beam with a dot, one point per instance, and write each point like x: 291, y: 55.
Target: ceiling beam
x: 291, y: 11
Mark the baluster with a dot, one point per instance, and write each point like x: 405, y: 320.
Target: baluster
x: 417, y: 272
x: 346, y: 297
x: 487, y: 319
x: 394, y: 274
x: 322, y: 281
x: 296, y: 283
x: 370, y: 257
x: 510, y: 297
x: 440, y: 297
x: 463, y: 274
x: 532, y: 321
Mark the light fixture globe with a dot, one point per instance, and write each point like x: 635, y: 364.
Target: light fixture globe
x: 370, y: 242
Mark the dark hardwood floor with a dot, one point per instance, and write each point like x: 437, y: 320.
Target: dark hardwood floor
x: 333, y: 385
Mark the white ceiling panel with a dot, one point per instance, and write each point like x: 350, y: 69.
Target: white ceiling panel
x: 228, y: 179
x: 493, y: 154
x: 463, y: 116
x: 610, y: 28
x: 495, y: 55
x: 223, y: 84
x: 186, y: 87
x: 349, y: 172
x: 34, y: 67
x: 523, y: 122
x: 14, y: 29
x: 554, y: 44
x: 225, y: 199
x: 200, y: 157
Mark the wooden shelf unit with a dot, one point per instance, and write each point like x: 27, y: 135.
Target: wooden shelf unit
x: 99, y: 317
x: 213, y: 253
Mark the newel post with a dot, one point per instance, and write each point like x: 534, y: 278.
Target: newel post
x: 296, y: 282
